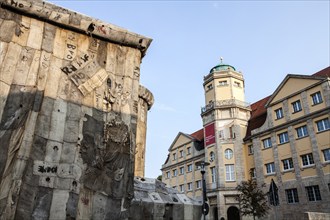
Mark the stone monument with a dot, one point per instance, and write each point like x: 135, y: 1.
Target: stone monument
x: 72, y: 112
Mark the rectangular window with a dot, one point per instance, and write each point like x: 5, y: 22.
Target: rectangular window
x: 198, y: 184
x: 230, y: 172
x: 279, y: 113
x: 213, y: 175
x: 323, y: 125
x: 175, y: 172
x: 223, y: 83
x: 181, y: 170
x: 250, y: 149
x: 182, y: 188
x: 189, y: 186
x: 174, y: 156
x: 317, y: 98
x: 287, y: 164
x: 296, y: 106
x: 209, y: 87
x: 267, y: 143
x: 237, y: 84
x: 302, y: 131
x: 181, y: 153
x: 253, y: 173
x: 292, y: 195
x: 283, y: 137
x: 190, y: 167
x: 307, y: 159
x: 188, y: 150
x: 168, y: 174
x: 221, y: 135
x: 326, y: 154
x: 313, y: 193
x: 270, y: 168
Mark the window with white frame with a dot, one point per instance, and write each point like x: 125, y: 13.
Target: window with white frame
x: 279, y: 113
x: 168, y: 174
x: 267, y: 143
x: 292, y: 195
x: 287, y: 164
x: 190, y: 186
x: 237, y: 84
x: 326, y: 154
x: 175, y: 172
x: 228, y: 154
x: 182, y: 188
x: 316, y: 98
x: 283, y: 137
x: 323, y: 125
x: 250, y: 149
x: 313, y: 193
x: 181, y: 153
x: 181, y: 170
x: 270, y: 168
x: 213, y: 175
x: 230, y: 172
x: 302, y: 131
x: 307, y: 159
x: 189, y: 167
x: 212, y: 156
x: 296, y: 106
x: 198, y: 184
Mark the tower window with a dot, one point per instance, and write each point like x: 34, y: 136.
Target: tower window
x: 237, y: 84
x: 223, y: 83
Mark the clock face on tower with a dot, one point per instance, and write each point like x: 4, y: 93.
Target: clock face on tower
x: 228, y: 154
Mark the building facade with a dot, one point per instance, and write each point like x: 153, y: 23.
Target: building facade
x: 284, y: 137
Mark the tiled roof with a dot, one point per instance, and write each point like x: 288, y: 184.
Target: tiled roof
x: 258, y: 116
x: 325, y: 72
x: 198, y: 135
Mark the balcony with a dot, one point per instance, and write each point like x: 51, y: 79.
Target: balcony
x: 225, y: 104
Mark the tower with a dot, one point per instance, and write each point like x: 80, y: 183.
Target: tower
x: 225, y: 117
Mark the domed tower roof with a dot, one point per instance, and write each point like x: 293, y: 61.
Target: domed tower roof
x: 222, y: 66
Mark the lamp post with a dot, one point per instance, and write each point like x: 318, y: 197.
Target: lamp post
x: 205, y: 207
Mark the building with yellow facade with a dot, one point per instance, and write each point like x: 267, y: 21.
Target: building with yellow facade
x: 284, y: 137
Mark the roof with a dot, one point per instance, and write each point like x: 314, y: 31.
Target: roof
x: 258, y: 116
x: 323, y: 73
x: 222, y: 66
x: 198, y: 135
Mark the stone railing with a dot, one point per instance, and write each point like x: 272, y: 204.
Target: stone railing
x: 224, y: 103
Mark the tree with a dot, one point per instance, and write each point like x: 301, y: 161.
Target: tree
x: 159, y: 178
x: 253, y: 201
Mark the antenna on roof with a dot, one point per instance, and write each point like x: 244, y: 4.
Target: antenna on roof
x: 221, y: 58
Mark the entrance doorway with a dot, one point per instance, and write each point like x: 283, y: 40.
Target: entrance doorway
x: 215, y: 213
x: 233, y: 213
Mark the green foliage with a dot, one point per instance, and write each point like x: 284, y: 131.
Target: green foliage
x: 159, y: 177
x: 253, y: 201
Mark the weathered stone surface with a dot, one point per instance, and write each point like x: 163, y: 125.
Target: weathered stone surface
x: 71, y: 114
x: 153, y: 200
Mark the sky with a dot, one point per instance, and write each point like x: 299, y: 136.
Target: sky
x: 265, y: 40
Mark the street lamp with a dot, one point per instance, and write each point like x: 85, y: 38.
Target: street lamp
x: 205, y: 207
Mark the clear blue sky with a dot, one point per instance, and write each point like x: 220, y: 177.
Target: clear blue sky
x: 264, y: 39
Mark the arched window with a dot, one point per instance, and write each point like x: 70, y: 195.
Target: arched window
x: 228, y: 153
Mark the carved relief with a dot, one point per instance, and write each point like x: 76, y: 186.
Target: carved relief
x: 107, y: 157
